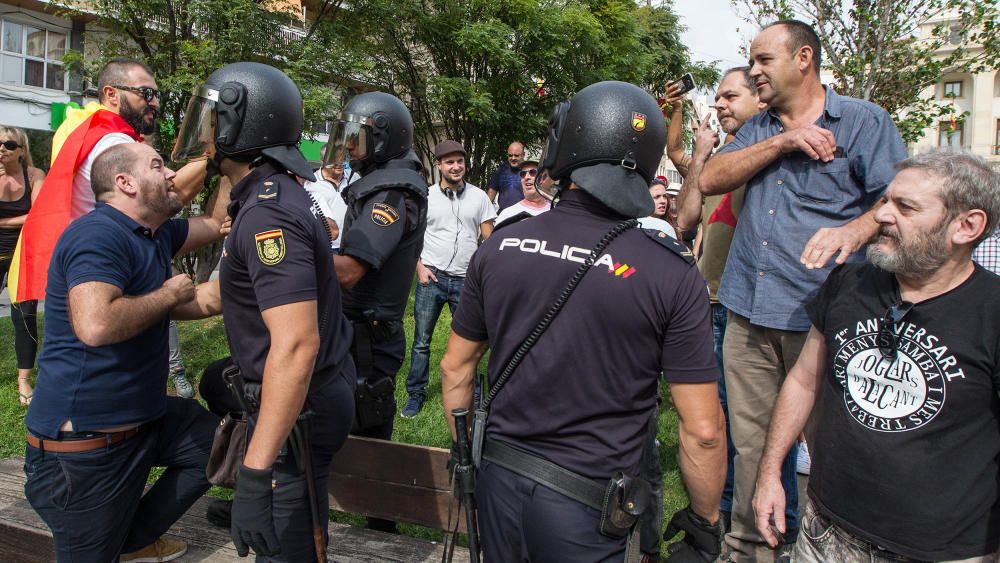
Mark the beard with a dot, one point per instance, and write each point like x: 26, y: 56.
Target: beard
x: 918, y: 258
x: 163, y: 206
x: 136, y: 117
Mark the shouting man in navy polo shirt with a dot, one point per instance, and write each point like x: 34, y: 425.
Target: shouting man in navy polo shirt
x: 100, y: 418
x: 814, y: 164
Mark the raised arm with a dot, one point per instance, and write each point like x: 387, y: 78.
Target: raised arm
x: 208, y: 227
x: 675, y: 130
x: 689, y: 200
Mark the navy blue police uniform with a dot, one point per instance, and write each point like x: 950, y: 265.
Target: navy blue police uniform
x: 278, y: 253
x: 384, y: 228
x: 582, y: 398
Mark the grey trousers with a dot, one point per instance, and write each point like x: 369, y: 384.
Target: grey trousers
x: 821, y: 541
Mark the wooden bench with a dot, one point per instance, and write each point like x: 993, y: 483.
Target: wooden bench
x: 370, y: 477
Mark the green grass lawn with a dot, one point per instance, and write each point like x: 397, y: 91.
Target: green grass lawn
x: 204, y: 341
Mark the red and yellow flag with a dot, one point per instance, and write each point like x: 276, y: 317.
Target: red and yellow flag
x: 51, y: 212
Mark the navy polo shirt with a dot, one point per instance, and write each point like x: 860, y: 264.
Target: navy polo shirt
x: 795, y: 196
x: 105, y: 386
x: 507, y: 182
x: 584, y: 394
x: 277, y: 253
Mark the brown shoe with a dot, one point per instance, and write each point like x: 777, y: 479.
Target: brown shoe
x: 163, y: 549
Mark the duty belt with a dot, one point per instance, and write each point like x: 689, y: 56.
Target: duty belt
x: 544, y: 472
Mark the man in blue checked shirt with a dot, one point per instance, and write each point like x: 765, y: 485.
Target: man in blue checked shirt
x: 816, y: 164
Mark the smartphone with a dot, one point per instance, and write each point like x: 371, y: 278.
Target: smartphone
x: 686, y: 82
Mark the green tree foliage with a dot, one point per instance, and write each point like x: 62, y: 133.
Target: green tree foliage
x: 486, y: 72
x: 875, y: 52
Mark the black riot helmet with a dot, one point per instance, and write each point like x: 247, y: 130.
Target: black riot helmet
x: 608, y: 140
x: 373, y: 128
x: 245, y: 110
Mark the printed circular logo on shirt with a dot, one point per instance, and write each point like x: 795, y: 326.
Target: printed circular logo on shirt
x: 893, y: 394
x: 384, y: 214
x: 270, y: 246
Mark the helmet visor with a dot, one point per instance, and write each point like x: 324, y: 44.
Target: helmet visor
x: 197, y: 134
x: 351, y: 141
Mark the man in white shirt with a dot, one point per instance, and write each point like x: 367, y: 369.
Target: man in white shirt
x: 458, y: 214
x: 326, y: 192
x: 533, y: 202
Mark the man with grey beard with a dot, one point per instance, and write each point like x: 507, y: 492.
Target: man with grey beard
x: 902, y: 365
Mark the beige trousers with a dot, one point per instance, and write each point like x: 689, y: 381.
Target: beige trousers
x: 757, y: 359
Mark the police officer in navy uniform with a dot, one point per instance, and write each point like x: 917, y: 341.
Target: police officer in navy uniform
x: 567, y: 430
x: 383, y: 237
x: 281, y: 306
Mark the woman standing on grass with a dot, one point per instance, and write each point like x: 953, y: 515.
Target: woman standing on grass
x: 20, y: 183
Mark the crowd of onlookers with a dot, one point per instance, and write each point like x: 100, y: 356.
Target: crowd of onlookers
x: 853, y: 304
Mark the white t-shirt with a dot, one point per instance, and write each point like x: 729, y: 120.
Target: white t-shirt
x: 452, y: 234
x: 521, y: 207
x: 83, y: 201
x: 330, y: 202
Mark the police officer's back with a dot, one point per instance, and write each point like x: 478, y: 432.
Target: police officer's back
x: 573, y: 415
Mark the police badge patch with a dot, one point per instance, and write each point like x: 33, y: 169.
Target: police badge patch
x: 270, y: 247
x: 384, y: 214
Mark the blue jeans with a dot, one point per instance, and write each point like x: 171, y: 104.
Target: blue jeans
x: 788, y: 478
x: 428, y: 301
x: 94, y: 501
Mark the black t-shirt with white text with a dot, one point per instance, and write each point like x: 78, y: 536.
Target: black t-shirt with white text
x: 906, y: 450
x: 583, y: 395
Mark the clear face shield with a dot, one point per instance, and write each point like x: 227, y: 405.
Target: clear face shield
x: 197, y: 134
x: 351, y: 142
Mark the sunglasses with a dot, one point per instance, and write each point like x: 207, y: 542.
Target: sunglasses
x: 146, y: 92
x: 886, y: 339
x: 10, y: 145
x: 511, y: 155
x: 530, y: 172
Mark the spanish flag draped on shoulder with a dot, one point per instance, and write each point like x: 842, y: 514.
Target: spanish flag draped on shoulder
x: 52, y: 210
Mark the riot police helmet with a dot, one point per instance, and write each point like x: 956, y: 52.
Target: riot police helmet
x: 372, y: 129
x: 245, y: 110
x: 608, y: 140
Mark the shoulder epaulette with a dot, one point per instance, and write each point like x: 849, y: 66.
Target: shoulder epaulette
x: 268, y: 191
x: 670, y: 243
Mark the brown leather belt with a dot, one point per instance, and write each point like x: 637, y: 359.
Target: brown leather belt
x: 86, y: 445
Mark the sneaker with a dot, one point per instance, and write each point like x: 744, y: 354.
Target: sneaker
x: 181, y: 384
x: 413, y: 406
x: 163, y: 549
x: 220, y: 513
x: 804, y: 462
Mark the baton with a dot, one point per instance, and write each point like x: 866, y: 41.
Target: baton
x: 300, y: 441
x: 465, y: 476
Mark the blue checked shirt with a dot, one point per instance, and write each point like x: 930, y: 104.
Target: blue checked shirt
x: 792, y: 198
x: 987, y: 254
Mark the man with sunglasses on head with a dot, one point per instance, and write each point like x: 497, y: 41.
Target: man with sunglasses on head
x: 900, y: 369
x: 504, y: 187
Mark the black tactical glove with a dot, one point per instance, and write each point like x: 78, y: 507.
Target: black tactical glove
x: 253, y: 525
x: 702, y: 541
